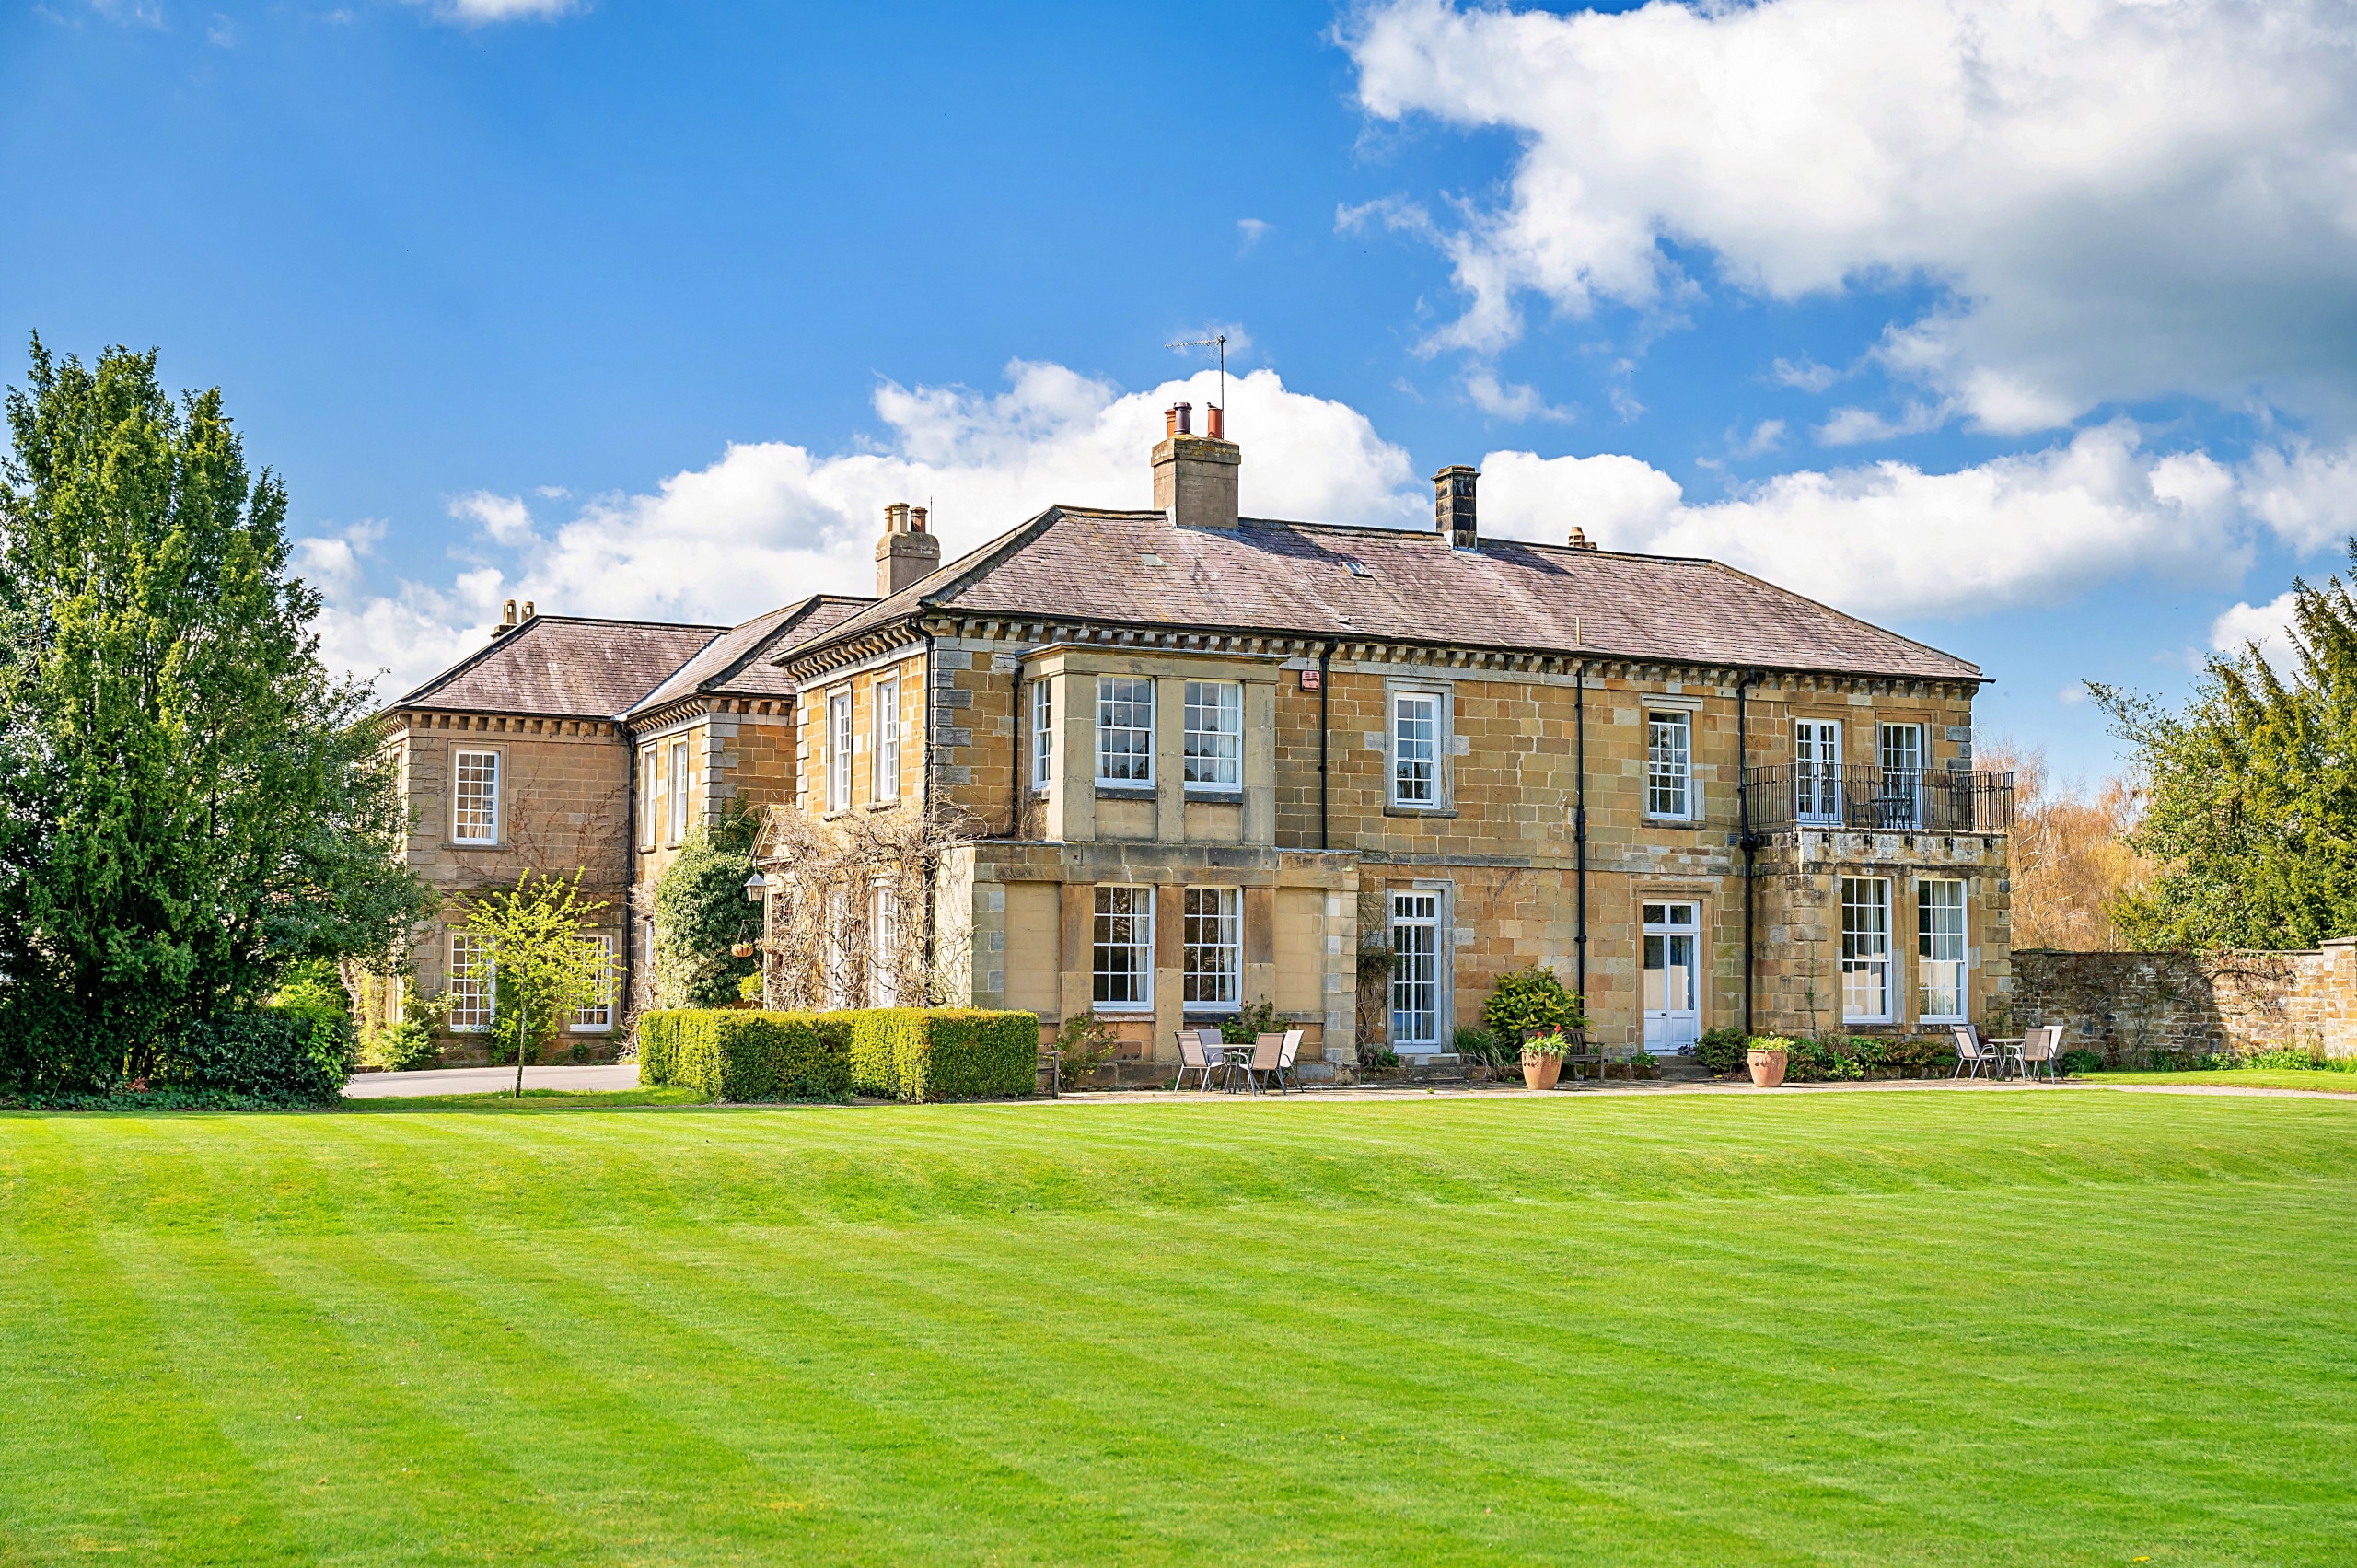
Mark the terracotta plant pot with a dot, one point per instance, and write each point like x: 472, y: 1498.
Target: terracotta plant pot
x: 1540, y: 1072
x: 1768, y: 1068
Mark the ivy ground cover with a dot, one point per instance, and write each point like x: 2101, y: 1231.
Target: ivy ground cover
x: 2065, y: 1328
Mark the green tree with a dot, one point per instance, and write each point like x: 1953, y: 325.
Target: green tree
x: 2250, y: 800
x: 701, y: 913
x: 187, y: 800
x: 541, y: 966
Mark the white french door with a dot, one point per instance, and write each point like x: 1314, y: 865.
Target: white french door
x: 1817, y: 770
x: 1415, y: 974
x: 1673, y: 986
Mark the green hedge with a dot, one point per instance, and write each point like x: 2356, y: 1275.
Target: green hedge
x: 920, y: 1053
x: 277, y: 1056
x: 737, y: 1054
x: 908, y: 1053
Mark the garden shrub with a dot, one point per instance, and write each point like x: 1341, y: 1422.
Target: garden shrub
x: 1723, y: 1049
x: 1475, y: 1043
x: 277, y: 1056
x: 1528, y: 1001
x: 737, y: 1054
x: 1252, y: 1021
x: 2074, y: 1063
x: 937, y: 1053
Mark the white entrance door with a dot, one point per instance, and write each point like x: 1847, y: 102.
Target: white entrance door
x: 1673, y: 989
x: 1817, y: 770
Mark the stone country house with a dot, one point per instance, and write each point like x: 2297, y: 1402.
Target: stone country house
x: 1194, y: 761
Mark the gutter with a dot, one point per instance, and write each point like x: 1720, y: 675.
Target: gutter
x: 1325, y: 679
x: 1579, y: 827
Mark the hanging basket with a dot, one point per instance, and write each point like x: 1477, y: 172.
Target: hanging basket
x: 741, y: 950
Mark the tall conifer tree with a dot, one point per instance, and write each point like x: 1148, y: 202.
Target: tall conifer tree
x: 187, y: 798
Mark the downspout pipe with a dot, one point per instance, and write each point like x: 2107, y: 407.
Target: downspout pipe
x: 1325, y: 677
x: 1749, y: 840
x: 628, y: 940
x: 1579, y: 832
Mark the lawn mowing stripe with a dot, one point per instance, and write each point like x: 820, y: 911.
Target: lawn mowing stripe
x: 1058, y: 1442
x: 141, y: 1469
x: 337, y: 1470
x: 570, y: 1429
x: 863, y: 1443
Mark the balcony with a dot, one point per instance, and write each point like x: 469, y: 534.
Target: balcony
x: 1864, y: 798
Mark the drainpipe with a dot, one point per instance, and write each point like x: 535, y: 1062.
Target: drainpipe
x: 1579, y: 830
x: 1325, y: 677
x: 627, y: 943
x: 1749, y: 840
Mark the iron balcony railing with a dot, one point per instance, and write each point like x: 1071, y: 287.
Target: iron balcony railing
x: 1863, y: 796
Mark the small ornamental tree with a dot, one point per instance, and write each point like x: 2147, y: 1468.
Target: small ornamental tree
x: 1530, y: 1000
x: 701, y: 916
x: 538, y: 964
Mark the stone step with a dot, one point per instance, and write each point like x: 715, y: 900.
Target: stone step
x: 1681, y: 1069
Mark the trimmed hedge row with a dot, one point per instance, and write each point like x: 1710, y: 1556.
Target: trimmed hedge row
x: 934, y: 1054
x: 736, y: 1054
x: 908, y: 1053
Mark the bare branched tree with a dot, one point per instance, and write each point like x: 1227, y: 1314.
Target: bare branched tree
x: 2068, y: 855
x: 855, y: 925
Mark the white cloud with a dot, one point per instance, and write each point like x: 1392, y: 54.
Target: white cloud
x: 1766, y: 439
x: 2120, y: 200
x: 2074, y: 694
x: 1887, y: 540
x: 1515, y: 400
x: 1848, y: 426
x: 483, y: 13
x: 1804, y: 373
x: 2269, y: 626
x: 1253, y: 231
x: 770, y: 522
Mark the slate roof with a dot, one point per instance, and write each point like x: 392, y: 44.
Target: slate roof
x: 564, y: 666
x: 1297, y: 578
x: 732, y: 664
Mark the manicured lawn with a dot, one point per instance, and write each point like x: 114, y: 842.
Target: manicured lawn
x: 2247, y: 1078
x: 1870, y: 1329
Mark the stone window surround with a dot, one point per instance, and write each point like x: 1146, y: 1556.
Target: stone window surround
x: 884, y: 754
x: 1914, y: 944
x: 1444, y: 803
x: 499, y: 798
x: 1697, y: 801
x: 614, y: 1003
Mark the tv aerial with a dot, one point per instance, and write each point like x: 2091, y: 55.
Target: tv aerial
x: 1216, y: 341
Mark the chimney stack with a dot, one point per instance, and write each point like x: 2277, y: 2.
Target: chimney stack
x: 1195, y: 476
x: 1580, y: 539
x: 1453, y: 506
x: 907, y: 552
x: 528, y: 612
x: 507, y: 625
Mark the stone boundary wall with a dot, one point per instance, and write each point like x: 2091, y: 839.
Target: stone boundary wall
x: 2135, y: 1006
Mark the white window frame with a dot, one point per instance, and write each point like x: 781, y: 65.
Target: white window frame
x: 1212, y: 964
x: 883, y: 940
x: 885, y: 782
x: 1817, y: 771
x: 834, y: 954
x: 1902, y: 787
x: 1670, y: 796
x: 488, y: 781
x: 1114, y: 902
x: 1043, y: 732
x: 678, y: 825
x: 1416, y: 908
x: 1951, y: 968
x: 1865, y: 951
x: 839, y: 734
x: 1432, y: 792
x: 599, y: 1018
x: 1122, y: 692
x: 650, y: 799
x: 1212, y: 752
x: 473, y: 998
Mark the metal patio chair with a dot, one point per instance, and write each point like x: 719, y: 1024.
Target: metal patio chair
x: 2040, y: 1049
x: 1193, y: 1058
x: 1266, y: 1050
x: 1285, y: 1055
x: 1971, y: 1056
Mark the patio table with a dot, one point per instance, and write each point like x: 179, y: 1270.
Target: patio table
x: 2010, y: 1050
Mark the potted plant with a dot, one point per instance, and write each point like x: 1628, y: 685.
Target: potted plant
x: 1767, y: 1057
x: 1542, y: 1058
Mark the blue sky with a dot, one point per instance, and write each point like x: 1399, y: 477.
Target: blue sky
x: 2026, y: 331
